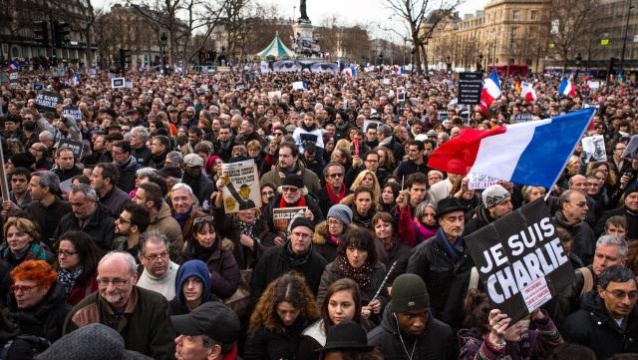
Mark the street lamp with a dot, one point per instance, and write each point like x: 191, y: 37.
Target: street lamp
x: 163, y: 41
x: 480, y: 63
x: 579, y: 59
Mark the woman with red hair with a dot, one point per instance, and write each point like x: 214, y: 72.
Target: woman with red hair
x: 38, y: 302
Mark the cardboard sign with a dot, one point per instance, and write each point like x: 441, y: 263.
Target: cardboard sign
x: 14, y: 77
x: 520, y: 260
x: 118, y: 83
x: 480, y: 182
x: 470, y: 87
x: 75, y: 146
x: 281, y: 217
x: 74, y: 112
x: 242, y: 192
x: 594, y: 149
x: 47, y: 100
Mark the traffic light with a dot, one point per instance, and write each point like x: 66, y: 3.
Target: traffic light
x: 61, y: 31
x: 125, y: 59
x: 41, y: 31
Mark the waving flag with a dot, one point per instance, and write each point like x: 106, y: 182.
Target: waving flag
x: 527, y: 92
x: 491, y: 91
x: 530, y: 153
x: 567, y: 88
x: 350, y: 71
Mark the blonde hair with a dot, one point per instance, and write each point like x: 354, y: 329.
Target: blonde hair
x: 376, y: 188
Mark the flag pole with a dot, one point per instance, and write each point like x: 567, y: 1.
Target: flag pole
x: 567, y: 160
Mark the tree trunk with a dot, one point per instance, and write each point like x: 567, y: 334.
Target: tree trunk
x: 425, y: 59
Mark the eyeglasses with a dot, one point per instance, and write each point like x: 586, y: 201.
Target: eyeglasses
x: 289, y: 189
x: 334, y: 222
x: 336, y: 175
x: 621, y: 295
x: 25, y: 289
x: 267, y: 193
x: 155, y: 257
x: 202, y: 219
x: 581, y: 204
x: 279, y: 134
x: 300, y: 235
x: 66, y: 253
x: 114, y: 282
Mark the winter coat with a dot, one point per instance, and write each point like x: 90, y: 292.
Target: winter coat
x: 203, y: 188
x: 567, y: 301
x: 81, y: 290
x: 400, y: 253
x: 229, y: 228
x: 100, y: 227
x: 408, y: 167
x: 164, y: 222
x: 145, y: 325
x: 592, y: 326
x: 126, y: 172
x: 321, y: 243
x: 224, y: 272
x: 311, y: 180
x: 325, y: 203
x: 45, y: 319
x: 534, y: 344
x: 49, y: 217
x: 65, y: 175
x: 446, y: 280
x: 583, y: 236
x: 115, y: 200
x: 37, y: 251
x: 279, y: 260
x: 436, y: 343
x: 332, y: 274
x: 142, y: 155
x: 265, y: 344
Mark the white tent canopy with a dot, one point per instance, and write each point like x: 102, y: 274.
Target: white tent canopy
x: 276, y: 49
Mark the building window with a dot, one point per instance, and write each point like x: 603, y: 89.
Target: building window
x: 516, y: 15
x: 533, y: 15
x: 513, y: 32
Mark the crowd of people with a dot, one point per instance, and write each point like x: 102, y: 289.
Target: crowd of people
x: 124, y: 249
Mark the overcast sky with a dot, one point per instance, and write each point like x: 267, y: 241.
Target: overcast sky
x: 370, y: 12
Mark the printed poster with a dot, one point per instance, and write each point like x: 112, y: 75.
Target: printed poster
x: 242, y: 190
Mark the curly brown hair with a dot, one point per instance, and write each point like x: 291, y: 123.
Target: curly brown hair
x: 291, y: 288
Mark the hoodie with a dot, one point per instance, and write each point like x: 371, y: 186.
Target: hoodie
x: 198, y: 269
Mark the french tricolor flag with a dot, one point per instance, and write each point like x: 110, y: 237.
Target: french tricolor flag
x: 527, y: 92
x: 566, y: 88
x: 491, y: 91
x: 530, y: 153
x: 350, y: 71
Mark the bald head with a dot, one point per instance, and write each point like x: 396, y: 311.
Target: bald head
x: 578, y: 182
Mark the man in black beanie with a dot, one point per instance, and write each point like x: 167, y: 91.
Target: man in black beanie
x: 295, y: 254
x: 408, y: 329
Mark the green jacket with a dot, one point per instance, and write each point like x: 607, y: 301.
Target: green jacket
x: 145, y: 325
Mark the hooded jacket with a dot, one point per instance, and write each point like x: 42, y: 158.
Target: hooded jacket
x: 193, y: 268
x: 592, y: 326
x: 437, y: 342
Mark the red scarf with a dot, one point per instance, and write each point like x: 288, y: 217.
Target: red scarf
x: 334, y: 198
x: 301, y: 202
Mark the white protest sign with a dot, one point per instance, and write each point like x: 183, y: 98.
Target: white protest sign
x: 118, y: 83
x: 594, y: 148
x: 242, y: 188
x: 480, y: 182
x: 299, y: 85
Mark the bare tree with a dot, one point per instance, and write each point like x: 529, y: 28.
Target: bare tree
x: 421, y: 20
x: 570, y: 24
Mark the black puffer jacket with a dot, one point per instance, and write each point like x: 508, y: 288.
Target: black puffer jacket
x: 446, y: 280
x: 437, y: 342
x: 45, y: 319
x: 591, y: 326
x: 583, y: 236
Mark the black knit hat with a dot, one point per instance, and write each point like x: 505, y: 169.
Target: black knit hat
x: 409, y: 293
x: 293, y: 180
x: 301, y: 221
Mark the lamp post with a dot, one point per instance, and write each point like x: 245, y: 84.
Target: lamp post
x: 163, y: 41
x: 480, y: 62
x: 624, y: 39
x: 579, y: 59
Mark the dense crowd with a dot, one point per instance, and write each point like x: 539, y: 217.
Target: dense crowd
x: 120, y: 247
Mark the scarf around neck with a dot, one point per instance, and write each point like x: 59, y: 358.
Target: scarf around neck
x: 362, y: 276
x: 336, y: 198
x: 283, y: 204
x: 68, y: 278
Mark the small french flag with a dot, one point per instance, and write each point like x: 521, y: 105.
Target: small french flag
x: 491, y: 91
x: 566, y: 88
x: 350, y: 71
x: 13, y: 66
x: 527, y: 92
